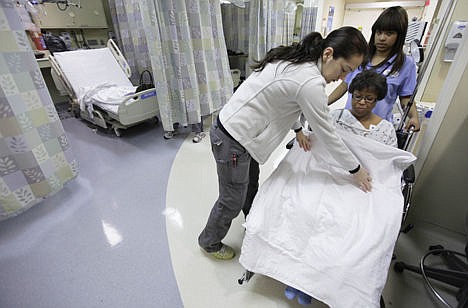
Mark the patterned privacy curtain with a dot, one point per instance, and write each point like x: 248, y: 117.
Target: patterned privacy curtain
x: 309, y: 17
x: 35, y: 157
x: 288, y: 27
x: 236, y: 27
x: 270, y: 26
x: 126, y: 19
x: 189, y: 58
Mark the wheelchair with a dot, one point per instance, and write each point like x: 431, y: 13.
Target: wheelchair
x: 404, y: 138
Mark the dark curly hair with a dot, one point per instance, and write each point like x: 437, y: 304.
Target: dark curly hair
x: 345, y: 41
x: 370, y: 80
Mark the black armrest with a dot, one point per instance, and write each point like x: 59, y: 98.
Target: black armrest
x: 408, y: 175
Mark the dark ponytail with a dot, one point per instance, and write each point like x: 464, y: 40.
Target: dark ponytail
x: 345, y: 41
x: 308, y: 49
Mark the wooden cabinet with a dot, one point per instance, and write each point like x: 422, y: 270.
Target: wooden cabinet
x: 89, y: 15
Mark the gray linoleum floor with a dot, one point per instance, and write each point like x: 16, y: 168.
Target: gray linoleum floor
x: 101, y: 241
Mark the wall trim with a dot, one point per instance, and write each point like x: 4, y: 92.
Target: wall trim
x: 378, y: 5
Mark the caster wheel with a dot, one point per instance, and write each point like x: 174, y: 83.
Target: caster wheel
x: 117, y: 131
x: 168, y: 135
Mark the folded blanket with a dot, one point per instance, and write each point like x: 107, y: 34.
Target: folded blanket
x: 310, y: 227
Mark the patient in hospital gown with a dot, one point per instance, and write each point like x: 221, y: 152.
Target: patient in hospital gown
x: 313, y: 230
x: 382, y: 132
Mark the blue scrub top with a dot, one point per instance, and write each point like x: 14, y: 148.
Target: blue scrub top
x: 401, y: 83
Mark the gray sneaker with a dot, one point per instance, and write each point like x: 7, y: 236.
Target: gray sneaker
x: 225, y: 253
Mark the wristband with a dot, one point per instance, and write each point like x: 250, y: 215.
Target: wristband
x: 355, y: 170
x: 298, y: 130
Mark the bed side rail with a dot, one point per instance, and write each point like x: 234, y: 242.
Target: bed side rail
x: 58, y: 70
x: 139, y: 96
x: 119, y: 57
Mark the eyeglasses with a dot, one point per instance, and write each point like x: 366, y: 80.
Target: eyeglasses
x: 367, y: 99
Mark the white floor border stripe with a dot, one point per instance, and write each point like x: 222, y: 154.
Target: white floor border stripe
x: 202, y: 281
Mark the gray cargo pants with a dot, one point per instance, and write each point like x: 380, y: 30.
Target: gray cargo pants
x: 238, y: 176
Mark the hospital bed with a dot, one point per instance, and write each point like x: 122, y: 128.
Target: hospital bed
x: 97, y: 82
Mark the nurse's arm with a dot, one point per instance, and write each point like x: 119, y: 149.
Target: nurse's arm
x: 413, y: 119
x: 339, y: 91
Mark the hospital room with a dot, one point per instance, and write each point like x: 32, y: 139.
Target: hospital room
x: 218, y: 153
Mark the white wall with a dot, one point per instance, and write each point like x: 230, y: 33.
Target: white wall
x: 440, y: 195
x: 440, y: 69
x: 338, y: 15
x: 365, y: 17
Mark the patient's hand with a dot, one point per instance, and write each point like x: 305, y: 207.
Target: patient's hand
x: 413, y: 121
x: 363, y: 179
x: 303, y: 140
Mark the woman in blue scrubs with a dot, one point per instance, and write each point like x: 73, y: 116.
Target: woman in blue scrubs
x: 388, y: 58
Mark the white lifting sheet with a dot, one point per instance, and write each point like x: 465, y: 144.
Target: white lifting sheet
x: 310, y: 227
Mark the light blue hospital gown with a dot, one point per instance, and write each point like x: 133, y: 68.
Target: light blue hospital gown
x: 383, y: 132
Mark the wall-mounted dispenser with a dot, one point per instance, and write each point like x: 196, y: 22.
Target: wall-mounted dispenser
x: 454, y: 39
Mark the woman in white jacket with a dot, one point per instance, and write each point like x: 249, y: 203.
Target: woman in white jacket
x: 290, y: 80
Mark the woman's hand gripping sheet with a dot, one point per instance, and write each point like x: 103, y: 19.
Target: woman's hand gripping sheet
x: 303, y: 141
x: 363, y: 179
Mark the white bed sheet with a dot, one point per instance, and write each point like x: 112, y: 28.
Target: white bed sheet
x: 106, y: 96
x: 96, y: 77
x: 311, y: 228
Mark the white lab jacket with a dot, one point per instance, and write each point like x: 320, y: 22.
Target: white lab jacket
x: 266, y: 106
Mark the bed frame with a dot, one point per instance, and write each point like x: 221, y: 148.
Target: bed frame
x: 131, y: 111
